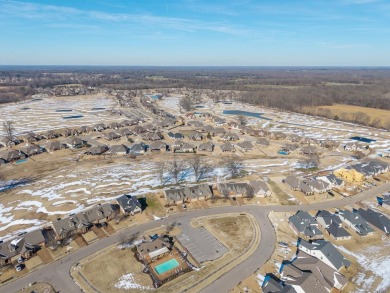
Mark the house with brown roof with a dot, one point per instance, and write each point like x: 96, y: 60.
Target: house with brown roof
x: 278, y: 135
x: 153, y: 250
x: 262, y: 141
x: 54, y: 146
x: 99, y: 127
x: 181, y: 194
x: 293, y: 138
x: 111, y: 135
x: 50, y: 134
x: 182, y: 147
x: 72, y: 225
x: 245, y: 146
x: 194, y: 135
x: 152, y: 136
x: 101, y: 213
x: 230, y: 136
x: 75, y: 142
x: 125, y: 132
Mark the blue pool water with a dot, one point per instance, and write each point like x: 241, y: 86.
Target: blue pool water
x: 156, y: 97
x: 282, y: 153
x: 166, y: 266
x: 21, y: 161
x: 245, y: 113
x: 73, y: 117
x: 362, y: 139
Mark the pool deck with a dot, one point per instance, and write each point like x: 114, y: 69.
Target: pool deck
x: 173, y: 255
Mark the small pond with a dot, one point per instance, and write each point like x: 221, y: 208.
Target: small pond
x: 362, y: 139
x: 245, y: 113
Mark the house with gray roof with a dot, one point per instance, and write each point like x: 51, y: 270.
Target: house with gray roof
x: 273, y: 285
x: 125, y: 132
x: 206, y: 147
x: 245, y: 145
x: 309, y: 150
x: 333, y: 225
x: 182, y: 147
x: 230, y: 136
x: 31, y: 150
x: 176, y: 135
x: 54, y: 146
x: 277, y: 135
x: 293, y: 138
x: 370, y: 168
x: 75, y: 142
x: 376, y: 219
x: 195, y: 123
x: 227, y: 147
x: 292, y: 182
x: 262, y: 141
x: 50, y: 134
x: 152, y: 136
x: 317, y: 185
x: 111, y: 135
x: 31, y: 137
x: 101, y: 213
x: 119, y: 149
x: 137, y: 149
x: 332, y: 180
x: 157, y: 146
x: 309, y: 141
x: 9, y: 141
x: 99, y: 127
x: 323, y: 278
x: 97, y: 150
x: 356, y: 222
x: 24, y: 245
x: 11, y: 155
x: 326, y: 252
x: 72, y: 225
x: 244, y: 189
x: 181, y: 194
x: 129, y: 204
x: 219, y: 131
x: 305, y: 225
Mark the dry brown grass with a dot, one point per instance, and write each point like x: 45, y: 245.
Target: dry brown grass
x: 348, y: 110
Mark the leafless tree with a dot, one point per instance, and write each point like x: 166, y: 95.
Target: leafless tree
x: 161, y: 166
x: 200, y: 167
x: 170, y: 227
x: 376, y: 122
x: 249, y: 192
x: 8, y: 127
x: 224, y: 191
x: 241, y: 120
x: 312, y: 161
x: 233, y: 166
x: 359, y: 155
x: 129, y: 239
x: 176, y: 168
x: 186, y: 103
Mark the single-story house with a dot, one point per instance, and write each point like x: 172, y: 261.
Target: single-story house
x: 55, y: 146
x: 278, y: 135
x: 72, y: 225
x: 101, y: 213
x: 230, y: 136
x: 329, y: 144
x: 157, y: 146
x: 153, y: 250
x: 139, y: 129
x: 206, y: 147
x: 194, y: 135
x: 125, y: 132
x: 355, y: 146
x: 195, y: 123
x: 99, y: 127
x: 183, y: 147
x: 262, y: 141
x: 97, y: 150
x: 11, y: 155
x: 75, y: 142
x: 227, y: 147
x: 119, y: 149
x: 309, y: 141
x: 176, y: 135
x: 137, y: 149
x: 333, y: 225
x: 293, y: 138
x: 111, y: 135
x: 9, y: 141
x: 309, y: 150
x: 245, y: 145
x: 115, y: 125
x: 292, y: 182
x: 31, y: 150
x: 50, y: 134
x: 181, y: 194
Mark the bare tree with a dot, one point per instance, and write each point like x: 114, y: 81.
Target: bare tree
x: 224, y: 191
x: 233, y: 166
x: 200, y: 167
x: 241, y: 120
x: 170, y: 227
x: 129, y: 239
x: 359, y: 155
x: 176, y: 168
x: 312, y: 161
x: 249, y: 192
x: 8, y: 127
x: 186, y: 103
x: 161, y: 166
x: 376, y: 122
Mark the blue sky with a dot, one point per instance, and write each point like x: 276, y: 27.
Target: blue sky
x: 191, y: 32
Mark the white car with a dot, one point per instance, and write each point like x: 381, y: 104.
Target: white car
x: 18, y: 268
x: 21, y: 260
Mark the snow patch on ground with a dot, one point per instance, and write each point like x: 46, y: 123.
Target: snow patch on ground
x: 127, y: 282
x: 372, y: 259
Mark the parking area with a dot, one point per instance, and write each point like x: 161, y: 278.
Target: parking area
x: 201, y: 243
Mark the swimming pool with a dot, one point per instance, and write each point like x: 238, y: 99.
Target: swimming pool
x: 21, y: 161
x: 282, y: 153
x: 166, y: 266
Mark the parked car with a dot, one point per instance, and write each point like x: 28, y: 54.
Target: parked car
x: 21, y: 260
x: 19, y: 267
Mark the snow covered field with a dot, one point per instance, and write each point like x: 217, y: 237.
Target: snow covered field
x: 41, y: 115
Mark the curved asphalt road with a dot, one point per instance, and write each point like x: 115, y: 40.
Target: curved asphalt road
x: 57, y: 273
